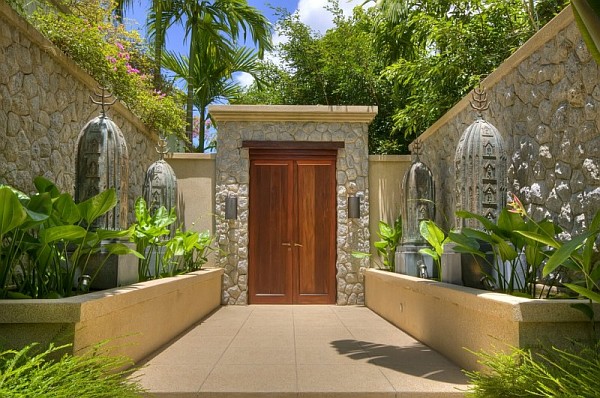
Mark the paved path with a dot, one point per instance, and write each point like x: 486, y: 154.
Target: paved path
x: 299, y: 351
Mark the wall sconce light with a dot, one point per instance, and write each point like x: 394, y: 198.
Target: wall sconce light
x: 354, y: 207
x: 231, y: 208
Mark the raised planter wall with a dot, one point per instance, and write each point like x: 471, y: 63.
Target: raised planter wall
x: 453, y: 319
x: 137, y: 319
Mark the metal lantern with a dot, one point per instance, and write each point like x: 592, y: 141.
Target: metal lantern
x: 103, y: 163
x: 419, y: 198
x: 160, y: 183
x: 480, y: 166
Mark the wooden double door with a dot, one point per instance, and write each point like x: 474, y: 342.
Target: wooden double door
x: 292, y: 227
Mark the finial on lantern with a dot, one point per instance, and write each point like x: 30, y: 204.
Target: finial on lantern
x: 416, y: 147
x: 102, y: 101
x: 161, y: 147
x: 480, y: 102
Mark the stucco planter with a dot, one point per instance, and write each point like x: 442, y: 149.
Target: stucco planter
x: 137, y: 319
x: 455, y: 319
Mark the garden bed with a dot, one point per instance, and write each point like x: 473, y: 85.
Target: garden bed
x: 453, y: 319
x: 137, y: 319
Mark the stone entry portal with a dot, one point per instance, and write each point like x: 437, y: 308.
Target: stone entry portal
x: 244, y: 129
x: 292, y: 226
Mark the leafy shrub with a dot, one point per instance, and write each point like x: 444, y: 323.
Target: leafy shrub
x: 166, y: 253
x: 116, y: 58
x: 46, y: 238
x: 33, y: 374
x: 556, y: 373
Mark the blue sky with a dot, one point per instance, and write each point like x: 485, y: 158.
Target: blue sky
x: 312, y: 13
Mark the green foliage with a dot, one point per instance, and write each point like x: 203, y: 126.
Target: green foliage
x: 587, y: 16
x: 115, y: 57
x: 521, y: 373
x: 446, y: 47
x: 46, y: 238
x: 581, y: 257
x: 34, y: 374
x: 341, y: 67
x: 166, y: 254
x: 437, y: 239
x: 508, y: 246
x: 390, y: 236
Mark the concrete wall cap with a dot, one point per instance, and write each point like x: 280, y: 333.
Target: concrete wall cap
x: 293, y: 113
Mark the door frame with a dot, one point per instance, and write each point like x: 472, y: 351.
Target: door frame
x: 298, y: 151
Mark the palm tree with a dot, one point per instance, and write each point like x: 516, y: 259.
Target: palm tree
x: 212, y: 28
x: 212, y: 81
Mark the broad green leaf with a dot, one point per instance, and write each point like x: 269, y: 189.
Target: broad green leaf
x: 585, y: 292
x: 12, y: 213
x: 39, y: 208
x: 487, y: 224
x: 543, y: 239
x: 433, y: 235
x: 385, y: 231
x: 506, y: 251
x: 44, y: 185
x: 66, y: 209
x: 477, y: 234
x: 587, y: 16
x: 380, y: 244
x: 98, y: 205
x: 141, y: 211
x: 429, y: 252
x: 62, y: 232
x: 120, y: 249
x: 564, y: 252
x: 107, y: 234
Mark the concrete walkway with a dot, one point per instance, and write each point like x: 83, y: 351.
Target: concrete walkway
x: 299, y: 351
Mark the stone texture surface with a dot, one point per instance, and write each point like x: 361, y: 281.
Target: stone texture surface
x: 546, y: 109
x: 44, y: 103
x: 232, y: 178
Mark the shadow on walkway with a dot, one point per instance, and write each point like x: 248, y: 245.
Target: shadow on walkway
x: 417, y: 360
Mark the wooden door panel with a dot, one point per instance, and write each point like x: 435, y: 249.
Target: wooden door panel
x: 292, y: 227
x: 315, y: 232
x: 270, y: 266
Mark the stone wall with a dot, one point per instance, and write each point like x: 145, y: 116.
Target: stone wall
x: 544, y: 100
x: 297, y: 123
x: 44, y: 103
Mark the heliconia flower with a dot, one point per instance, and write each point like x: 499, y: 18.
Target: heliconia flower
x: 515, y: 206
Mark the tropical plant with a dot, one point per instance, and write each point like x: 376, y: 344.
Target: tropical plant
x: 213, y: 80
x: 522, y: 373
x: 46, y: 239
x: 192, y: 247
x: 516, y: 259
x: 212, y: 29
x: 390, y: 236
x: 151, y: 232
x: 437, y: 239
x: 580, y: 256
x: 167, y: 253
x: 36, y: 373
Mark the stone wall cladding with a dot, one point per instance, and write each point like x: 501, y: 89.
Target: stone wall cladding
x: 546, y: 108
x: 233, y: 164
x: 44, y: 103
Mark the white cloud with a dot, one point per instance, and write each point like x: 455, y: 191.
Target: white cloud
x: 314, y: 13
x: 243, y: 78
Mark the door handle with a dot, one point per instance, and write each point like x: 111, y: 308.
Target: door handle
x: 298, y: 245
x: 286, y: 244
